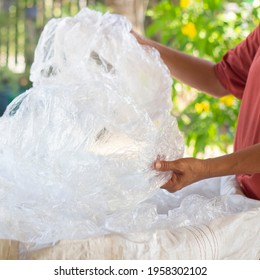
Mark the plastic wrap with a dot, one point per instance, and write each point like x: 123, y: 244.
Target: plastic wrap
x: 76, y: 150
x: 79, y: 145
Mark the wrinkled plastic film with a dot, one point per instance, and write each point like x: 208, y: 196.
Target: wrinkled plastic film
x: 76, y: 150
x: 79, y: 145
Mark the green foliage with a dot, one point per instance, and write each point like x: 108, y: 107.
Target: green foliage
x: 206, y: 29
x: 100, y: 7
x: 9, y: 81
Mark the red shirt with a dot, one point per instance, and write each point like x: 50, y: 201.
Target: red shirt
x: 239, y: 73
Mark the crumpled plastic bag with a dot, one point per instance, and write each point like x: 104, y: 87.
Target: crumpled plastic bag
x: 76, y: 150
x: 78, y: 147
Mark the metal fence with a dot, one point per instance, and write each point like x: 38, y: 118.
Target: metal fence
x: 21, y: 22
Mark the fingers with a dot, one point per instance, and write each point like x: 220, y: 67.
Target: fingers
x: 175, y: 183
x: 136, y: 35
x: 163, y: 165
x: 172, y: 185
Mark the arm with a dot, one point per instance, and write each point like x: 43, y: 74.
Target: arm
x: 195, y: 72
x: 189, y: 170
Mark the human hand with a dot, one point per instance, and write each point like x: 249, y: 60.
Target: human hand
x: 185, y: 171
x: 140, y: 39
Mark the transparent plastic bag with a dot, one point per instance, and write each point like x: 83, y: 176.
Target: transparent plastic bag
x: 76, y: 150
x: 79, y: 145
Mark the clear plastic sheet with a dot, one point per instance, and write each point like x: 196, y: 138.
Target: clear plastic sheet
x: 79, y: 145
x: 76, y: 150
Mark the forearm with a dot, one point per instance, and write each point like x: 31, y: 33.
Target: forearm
x: 246, y: 161
x: 193, y: 71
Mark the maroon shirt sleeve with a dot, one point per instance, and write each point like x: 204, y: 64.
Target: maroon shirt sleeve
x: 233, y: 69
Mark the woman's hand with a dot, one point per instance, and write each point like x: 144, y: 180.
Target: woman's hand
x: 185, y: 171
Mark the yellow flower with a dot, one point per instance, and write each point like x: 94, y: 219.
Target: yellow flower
x: 203, y: 106
x: 185, y: 3
x: 198, y: 108
x: 228, y: 100
x: 189, y: 30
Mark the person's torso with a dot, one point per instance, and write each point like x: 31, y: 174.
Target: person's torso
x: 248, y: 126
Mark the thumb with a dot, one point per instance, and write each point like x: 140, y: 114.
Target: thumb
x: 164, y: 165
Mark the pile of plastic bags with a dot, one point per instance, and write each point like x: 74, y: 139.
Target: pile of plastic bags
x: 78, y: 147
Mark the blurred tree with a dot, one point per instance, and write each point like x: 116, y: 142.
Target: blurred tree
x: 31, y: 34
x: 206, y: 29
x: 5, y: 4
x: 134, y: 10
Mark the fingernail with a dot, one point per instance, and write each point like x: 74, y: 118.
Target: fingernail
x: 158, y: 165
